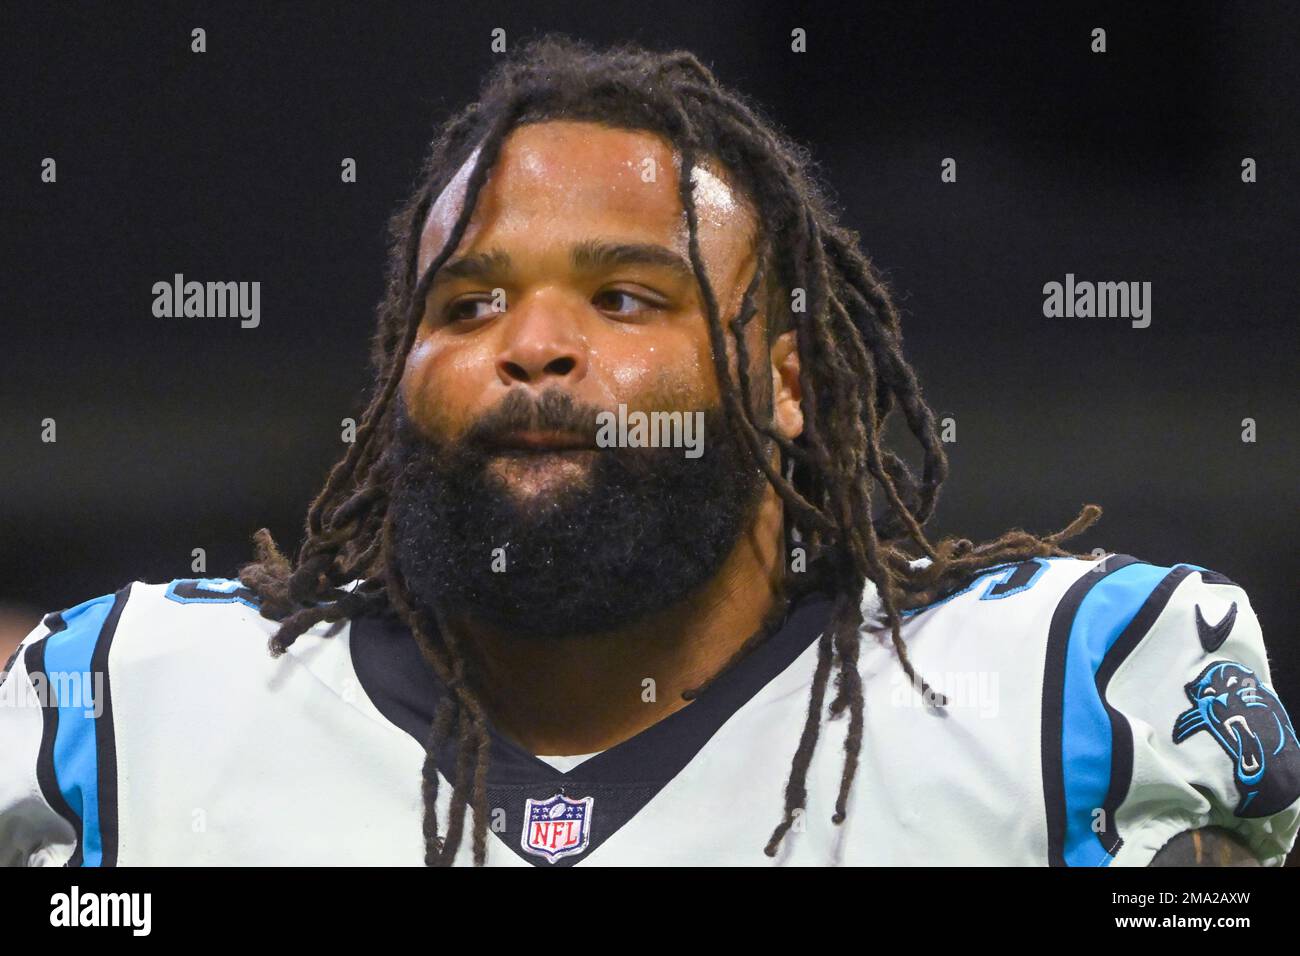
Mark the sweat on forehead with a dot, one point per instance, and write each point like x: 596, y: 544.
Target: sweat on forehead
x: 632, y: 176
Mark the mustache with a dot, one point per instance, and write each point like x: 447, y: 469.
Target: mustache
x: 553, y: 411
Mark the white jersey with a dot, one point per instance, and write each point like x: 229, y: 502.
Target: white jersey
x: 1096, y: 709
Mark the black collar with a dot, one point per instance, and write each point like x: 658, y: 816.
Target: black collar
x: 402, y: 686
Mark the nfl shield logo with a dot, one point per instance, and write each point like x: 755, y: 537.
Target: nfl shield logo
x: 557, y: 827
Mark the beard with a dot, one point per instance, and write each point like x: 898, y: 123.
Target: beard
x: 637, y: 531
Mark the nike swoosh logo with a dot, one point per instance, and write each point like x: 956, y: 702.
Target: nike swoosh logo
x: 1212, y: 638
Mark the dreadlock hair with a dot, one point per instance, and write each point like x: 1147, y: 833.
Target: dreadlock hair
x: 852, y: 373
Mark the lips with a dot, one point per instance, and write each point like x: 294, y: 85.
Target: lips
x: 543, y: 441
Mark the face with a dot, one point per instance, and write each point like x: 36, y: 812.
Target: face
x: 571, y: 294
x: 590, y: 263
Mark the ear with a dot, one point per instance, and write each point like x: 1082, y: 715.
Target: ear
x: 787, y: 413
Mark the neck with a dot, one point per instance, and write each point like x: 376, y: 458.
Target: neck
x: 576, y: 695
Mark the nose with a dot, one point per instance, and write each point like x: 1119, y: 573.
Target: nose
x: 542, y: 344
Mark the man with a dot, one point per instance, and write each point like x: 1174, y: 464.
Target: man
x: 620, y: 570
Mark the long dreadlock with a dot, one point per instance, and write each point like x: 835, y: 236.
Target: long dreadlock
x: 852, y: 373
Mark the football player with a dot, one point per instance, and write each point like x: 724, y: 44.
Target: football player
x: 620, y: 569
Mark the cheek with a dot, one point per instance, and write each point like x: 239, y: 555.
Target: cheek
x: 440, y: 383
x: 673, y: 371
x: 706, y: 372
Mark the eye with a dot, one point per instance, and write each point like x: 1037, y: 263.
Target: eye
x: 1209, y: 692
x: 621, y: 302
x: 468, y: 310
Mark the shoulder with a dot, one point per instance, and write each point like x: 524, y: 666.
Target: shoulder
x: 1140, y: 693
x: 120, y: 679
x: 1105, y: 605
x: 184, y: 621
x: 1159, y: 717
x: 1120, y: 601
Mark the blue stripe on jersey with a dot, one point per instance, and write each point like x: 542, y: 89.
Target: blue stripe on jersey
x: 1086, y: 746
x: 68, y: 669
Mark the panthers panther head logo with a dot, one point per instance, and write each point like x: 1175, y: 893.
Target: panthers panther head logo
x: 1252, y: 726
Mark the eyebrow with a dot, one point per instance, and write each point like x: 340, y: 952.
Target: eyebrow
x: 595, y: 255
x: 591, y: 255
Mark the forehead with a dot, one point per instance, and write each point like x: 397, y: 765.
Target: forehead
x: 578, y: 178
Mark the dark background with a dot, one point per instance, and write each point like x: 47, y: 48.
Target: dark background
x: 183, y: 433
